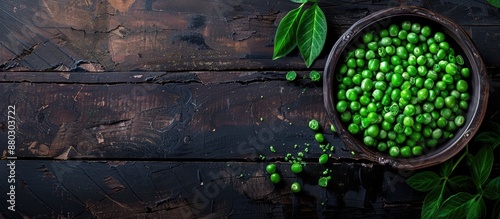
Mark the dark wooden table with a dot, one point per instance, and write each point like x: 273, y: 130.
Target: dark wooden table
x: 162, y: 109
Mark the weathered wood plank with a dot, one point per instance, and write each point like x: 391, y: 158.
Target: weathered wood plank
x: 188, y: 34
x: 84, y: 189
x: 191, y: 115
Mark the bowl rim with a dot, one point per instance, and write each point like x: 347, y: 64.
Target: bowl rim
x: 479, y: 74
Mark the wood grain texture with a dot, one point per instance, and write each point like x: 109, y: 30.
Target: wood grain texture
x: 128, y: 189
x: 191, y: 115
x: 183, y: 35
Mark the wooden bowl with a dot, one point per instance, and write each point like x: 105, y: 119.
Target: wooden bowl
x: 458, y: 39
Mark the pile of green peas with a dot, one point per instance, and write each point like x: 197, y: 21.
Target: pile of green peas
x: 403, y: 89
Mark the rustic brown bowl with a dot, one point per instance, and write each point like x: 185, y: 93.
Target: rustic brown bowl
x: 458, y: 39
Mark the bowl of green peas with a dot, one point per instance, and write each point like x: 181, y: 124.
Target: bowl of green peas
x: 405, y: 87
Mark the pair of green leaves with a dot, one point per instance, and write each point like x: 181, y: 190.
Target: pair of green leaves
x: 468, y: 202
x: 303, y: 28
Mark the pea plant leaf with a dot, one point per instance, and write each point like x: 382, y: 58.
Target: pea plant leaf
x: 495, y: 3
x: 446, y: 168
x: 455, y: 206
x: 496, y: 210
x: 299, y: 1
x: 495, y: 126
x: 488, y: 137
x: 462, y: 183
x: 311, y: 33
x: 492, y: 189
x: 432, y: 202
x: 481, y: 165
x: 285, y: 38
x: 424, y: 181
x: 476, y: 208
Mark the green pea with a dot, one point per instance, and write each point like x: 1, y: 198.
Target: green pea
x: 353, y: 128
x: 271, y: 168
x: 417, y: 150
x: 367, y: 37
x: 440, y: 54
x: 295, y: 187
x: 394, y: 151
x: 401, y: 52
x: 449, y: 101
x: 437, y: 133
x: 441, y: 122
x: 459, y: 120
x: 416, y: 28
x: 314, y: 124
x: 439, y: 37
x: 369, y: 141
x: 412, y: 38
x: 351, y: 95
x: 384, y: 33
x: 390, y: 50
x: 323, y: 159
x: 275, y: 178
x: 393, y: 30
x: 296, y: 168
x: 319, y: 137
x: 373, y: 65
x: 406, y: 25
x: 463, y: 104
x: 451, y: 68
x: 426, y: 31
x: 465, y: 72
x: 405, y: 151
x: 382, y: 146
x: 396, y: 80
x: 462, y: 86
x: 354, y: 106
x: 373, y: 46
x: 345, y: 116
x: 341, y: 106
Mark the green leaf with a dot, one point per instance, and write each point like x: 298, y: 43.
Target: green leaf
x: 462, y: 183
x: 495, y: 126
x: 496, y: 210
x: 311, y: 33
x: 446, y: 168
x: 432, y: 202
x: 492, y: 189
x: 424, y: 181
x: 285, y: 38
x: 491, y: 138
x: 299, y: 1
x: 455, y: 206
x: 481, y: 165
x: 476, y: 209
x: 495, y: 3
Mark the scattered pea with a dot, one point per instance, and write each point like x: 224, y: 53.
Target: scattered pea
x: 319, y: 137
x: 271, y: 168
x: 323, y: 181
x: 271, y: 148
x: 323, y: 159
x: 315, y: 76
x: 275, y: 178
x: 296, y: 168
x: 295, y: 187
x: 314, y: 125
x: 291, y: 76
